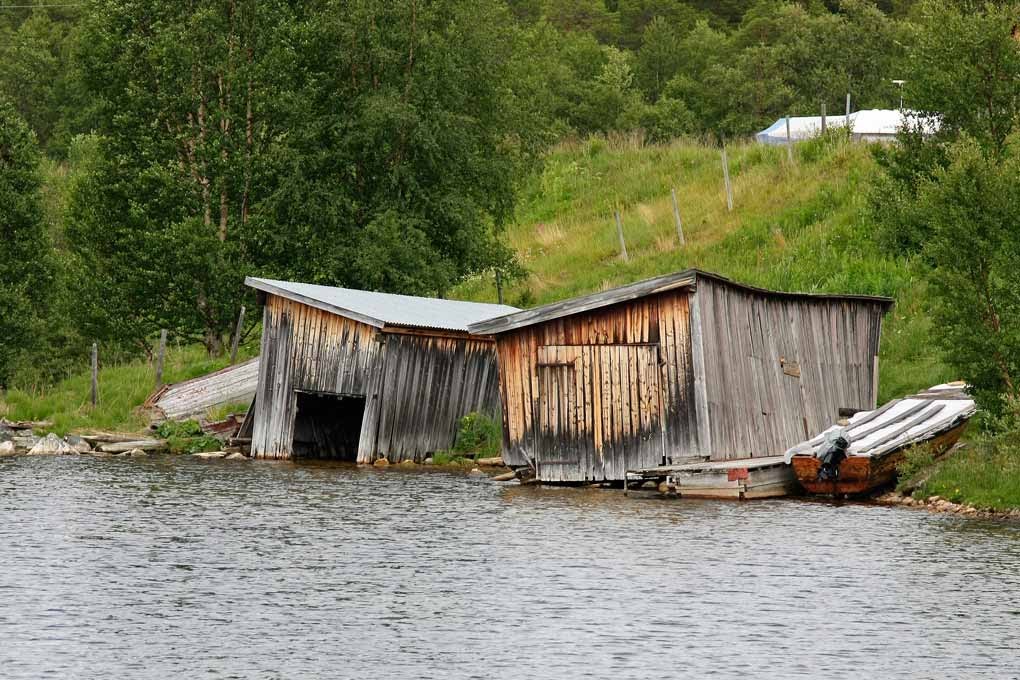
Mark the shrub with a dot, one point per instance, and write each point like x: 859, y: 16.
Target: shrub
x: 478, y: 435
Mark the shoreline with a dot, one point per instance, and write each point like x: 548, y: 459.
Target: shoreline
x: 939, y: 505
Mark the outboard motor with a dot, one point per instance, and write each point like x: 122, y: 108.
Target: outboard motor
x: 831, y: 453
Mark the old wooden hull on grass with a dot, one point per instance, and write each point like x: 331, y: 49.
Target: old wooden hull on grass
x: 860, y: 475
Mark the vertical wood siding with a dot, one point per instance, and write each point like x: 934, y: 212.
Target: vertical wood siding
x: 304, y: 348
x: 739, y: 373
x: 429, y: 383
x: 417, y: 387
x: 777, y: 369
x: 588, y: 395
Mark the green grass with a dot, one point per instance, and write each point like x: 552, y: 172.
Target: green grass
x: 795, y: 226
x: 123, y: 388
x: 986, y: 474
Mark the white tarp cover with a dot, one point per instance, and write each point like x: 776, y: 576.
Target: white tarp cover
x: 867, y: 123
x: 927, y: 416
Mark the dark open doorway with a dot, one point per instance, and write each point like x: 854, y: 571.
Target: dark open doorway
x: 328, y: 426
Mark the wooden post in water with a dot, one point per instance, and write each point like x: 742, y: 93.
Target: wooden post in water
x: 676, y: 217
x: 823, y: 118
x: 95, y: 374
x: 619, y: 232
x: 499, y: 287
x: 160, y: 357
x: 237, y: 336
x: 789, y: 140
x: 726, y: 179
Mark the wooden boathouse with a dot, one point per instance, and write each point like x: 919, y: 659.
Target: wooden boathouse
x: 357, y: 375
x: 684, y: 367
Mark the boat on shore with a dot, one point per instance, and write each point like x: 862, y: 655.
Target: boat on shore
x: 870, y: 446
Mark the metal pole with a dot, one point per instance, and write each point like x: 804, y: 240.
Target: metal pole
x: 160, y: 357
x: 619, y: 232
x: 95, y: 374
x: 676, y: 216
x: 726, y: 179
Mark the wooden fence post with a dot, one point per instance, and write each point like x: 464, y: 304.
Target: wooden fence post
x: 789, y: 140
x: 676, y: 217
x: 499, y: 287
x: 160, y: 357
x: 823, y: 118
x: 726, y: 179
x: 95, y: 374
x: 619, y: 232
x: 848, y: 109
x: 237, y: 336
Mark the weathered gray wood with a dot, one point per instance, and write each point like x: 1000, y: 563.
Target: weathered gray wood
x: 415, y: 385
x: 160, y: 357
x: 847, y: 119
x: 196, y: 396
x: 726, y: 180
x: 619, y: 232
x: 676, y: 217
x: 824, y: 127
x: 94, y: 392
x: 499, y: 287
x: 237, y: 336
x: 143, y: 444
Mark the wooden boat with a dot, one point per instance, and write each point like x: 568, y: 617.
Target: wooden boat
x: 880, y: 438
x: 739, y: 479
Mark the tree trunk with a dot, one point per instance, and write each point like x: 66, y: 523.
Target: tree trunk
x: 213, y: 341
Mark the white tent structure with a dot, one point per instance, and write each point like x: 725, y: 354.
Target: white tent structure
x: 869, y: 125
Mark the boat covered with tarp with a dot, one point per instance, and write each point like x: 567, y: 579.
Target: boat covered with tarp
x: 862, y: 453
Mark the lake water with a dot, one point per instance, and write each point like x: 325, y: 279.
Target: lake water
x: 177, y: 567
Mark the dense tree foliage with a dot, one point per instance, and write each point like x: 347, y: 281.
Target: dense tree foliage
x: 952, y: 198
x: 973, y: 246
x: 24, y: 264
x: 381, y: 144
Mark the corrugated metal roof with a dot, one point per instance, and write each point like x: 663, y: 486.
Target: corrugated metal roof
x: 384, y: 309
x: 685, y: 279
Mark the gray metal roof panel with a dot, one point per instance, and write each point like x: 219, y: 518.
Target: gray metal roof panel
x: 683, y: 279
x: 384, y: 309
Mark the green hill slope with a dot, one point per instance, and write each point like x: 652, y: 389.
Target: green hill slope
x: 795, y: 226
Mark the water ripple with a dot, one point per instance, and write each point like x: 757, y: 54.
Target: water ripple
x: 208, y: 569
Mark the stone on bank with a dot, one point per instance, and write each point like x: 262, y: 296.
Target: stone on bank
x: 51, y: 445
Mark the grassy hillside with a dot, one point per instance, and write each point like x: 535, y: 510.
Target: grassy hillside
x: 795, y: 226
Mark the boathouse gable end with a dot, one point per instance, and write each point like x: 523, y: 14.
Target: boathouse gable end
x: 344, y: 384
x: 682, y: 367
x: 588, y: 395
x: 777, y: 367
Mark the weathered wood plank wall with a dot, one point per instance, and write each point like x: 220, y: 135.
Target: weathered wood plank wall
x: 738, y: 372
x: 304, y: 348
x: 587, y: 395
x: 416, y: 386
x: 778, y: 368
x: 428, y: 385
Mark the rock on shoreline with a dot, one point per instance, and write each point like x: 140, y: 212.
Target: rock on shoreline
x: 939, y: 504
